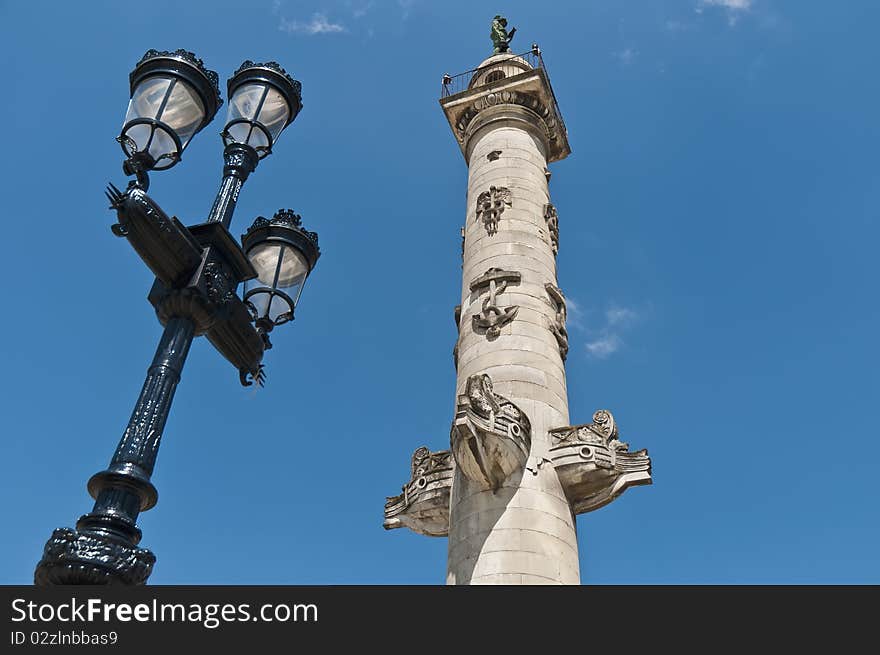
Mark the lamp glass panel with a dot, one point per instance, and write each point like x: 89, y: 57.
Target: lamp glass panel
x: 140, y: 134
x: 244, y: 104
x: 146, y: 102
x: 264, y: 258
x: 170, y: 101
x: 147, y: 97
x: 260, y: 300
x: 162, y: 144
x: 277, y: 307
x: 279, y: 266
x: 274, y: 113
x: 268, y: 304
x: 293, y: 272
x: 238, y: 132
x: 257, y: 102
x: 184, y: 111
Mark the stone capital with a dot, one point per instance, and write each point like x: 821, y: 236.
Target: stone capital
x: 521, y: 96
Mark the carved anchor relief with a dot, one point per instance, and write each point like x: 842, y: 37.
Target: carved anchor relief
x: 492, y: 318
x: 490, y: 206
x: 552, y: 219
x: 557, y: 326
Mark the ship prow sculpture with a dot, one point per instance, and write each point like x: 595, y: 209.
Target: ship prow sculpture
x: 491, y: 436
x: 594, y: 466
x: 423, y: 504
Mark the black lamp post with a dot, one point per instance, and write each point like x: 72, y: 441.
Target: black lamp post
x: 198, y: 269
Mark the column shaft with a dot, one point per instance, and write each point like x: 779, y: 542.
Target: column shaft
x: 523, y: 532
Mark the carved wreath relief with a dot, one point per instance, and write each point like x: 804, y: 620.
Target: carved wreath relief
x: 490, y: 206
x: 552, y: 219
x: 492, y: 318
x: 557, y: 325
x: 508, y: 97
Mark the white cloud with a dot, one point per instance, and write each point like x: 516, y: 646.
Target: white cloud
x: 734, y: 8
x: 405, y: 7
x: 360, y: 8
x: 604, y: 346
x: 607, y: 339
x: 625, y: 56
x: 619, y: 316
x: 317, y: 25
x: 574, y: 313
x: 360, y: 12
x: 743, y: 5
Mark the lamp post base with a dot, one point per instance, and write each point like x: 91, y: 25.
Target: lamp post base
x: 73, y: 557
x: 102, y: 550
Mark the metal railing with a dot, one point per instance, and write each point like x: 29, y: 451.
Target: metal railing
x: 452, y: 84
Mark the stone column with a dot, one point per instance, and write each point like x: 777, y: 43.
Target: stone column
x: 507, y: 491
x: 523, y: 531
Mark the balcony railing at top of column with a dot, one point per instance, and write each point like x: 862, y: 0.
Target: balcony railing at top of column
x: 453, y: 84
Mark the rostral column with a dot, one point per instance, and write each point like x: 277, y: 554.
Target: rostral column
x: 517, y: 472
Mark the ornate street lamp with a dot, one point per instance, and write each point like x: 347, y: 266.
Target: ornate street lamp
x: 283, y: 254
x: 198, y: 269
x: 263, y: 100
x: 173, y: 96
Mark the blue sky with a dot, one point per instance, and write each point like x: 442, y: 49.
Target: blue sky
x: 719, y: 228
